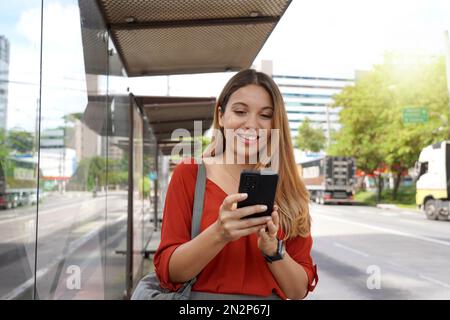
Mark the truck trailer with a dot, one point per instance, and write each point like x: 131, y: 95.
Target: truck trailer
x: 329, y: 179
x: 18, y: 182
x: 433, y: 181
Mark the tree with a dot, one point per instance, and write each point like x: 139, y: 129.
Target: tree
x: 309, y: 138
x: 20, y: 141
x: 97, y: 172
x: 4, y: 152
x: 372, y: 124
x: 4, y: 149
x: 359, y: 136
x: 421, y: 85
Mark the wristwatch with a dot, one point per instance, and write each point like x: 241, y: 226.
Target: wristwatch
x: 278, y: 256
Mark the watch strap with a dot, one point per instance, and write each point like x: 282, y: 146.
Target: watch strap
x: 278, y: 256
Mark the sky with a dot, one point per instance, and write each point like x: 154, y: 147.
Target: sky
x: 314, y: 38
x: 329, y: 37
x: 336, y: 37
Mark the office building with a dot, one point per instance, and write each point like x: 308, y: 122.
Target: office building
x: 4, y: 80
x: 312, y: 98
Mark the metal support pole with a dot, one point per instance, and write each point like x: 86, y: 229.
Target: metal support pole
x: 129, y: 263
x: 155, y: 201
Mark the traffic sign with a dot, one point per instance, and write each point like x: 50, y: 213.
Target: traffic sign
x: 415, y: 115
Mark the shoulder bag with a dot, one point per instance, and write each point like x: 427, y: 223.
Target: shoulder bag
x: 149, y: 287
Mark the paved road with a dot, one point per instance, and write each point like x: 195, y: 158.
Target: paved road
x: 69, y: 228
x: 361, y: 252
x: 372, y: 253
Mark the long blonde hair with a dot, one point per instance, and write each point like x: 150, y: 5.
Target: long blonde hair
x: 292, y: 198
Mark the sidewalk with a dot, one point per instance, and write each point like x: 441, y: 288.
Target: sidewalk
x: 393, y: 207
x: 154, y: 242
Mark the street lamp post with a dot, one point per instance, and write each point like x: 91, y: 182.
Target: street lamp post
x: 328, y: 126
x: 447, y: 64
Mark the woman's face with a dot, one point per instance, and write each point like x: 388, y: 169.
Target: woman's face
x: 249, y: 109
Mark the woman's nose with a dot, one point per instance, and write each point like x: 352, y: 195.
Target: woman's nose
x: 251, y: 122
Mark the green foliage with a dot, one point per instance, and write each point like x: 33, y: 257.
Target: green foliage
x: 73, y: 116
x: 372, y: 121
x: 4, y: 148
x: 20, y: 141
x: 118, y: 171
x: 372, y: 124
x: 406, y: 197
x: 309, y: 138
x: 98, y: 171
x: 144, y: 187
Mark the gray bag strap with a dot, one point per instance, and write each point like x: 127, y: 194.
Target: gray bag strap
x: 198, y: 200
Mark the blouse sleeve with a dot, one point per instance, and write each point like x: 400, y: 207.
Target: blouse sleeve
x: 177, y: 218
x: 299, y: 248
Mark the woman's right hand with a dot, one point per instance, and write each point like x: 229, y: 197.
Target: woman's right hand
x: 229, y: 223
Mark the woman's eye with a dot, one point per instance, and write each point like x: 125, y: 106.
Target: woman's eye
x: 266, y: 116
x: 239, y: 112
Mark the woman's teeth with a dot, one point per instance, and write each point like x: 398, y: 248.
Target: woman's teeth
x: 245, y: 137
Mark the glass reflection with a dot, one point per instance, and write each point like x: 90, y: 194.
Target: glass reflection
x: 19, y: 109
x: 64, y: 158
x: 117, y: 199
x: 138, y: 191
x: 71, y: 233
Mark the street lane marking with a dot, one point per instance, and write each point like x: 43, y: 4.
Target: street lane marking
x: 392, y: 231
x: 443, y: 284
x: 73, y: 247
x: 46, y: 211
x: 339, y: 245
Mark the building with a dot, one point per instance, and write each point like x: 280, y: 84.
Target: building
x: 91, y: 244
x: 57, y: 161
x: 4, y: 80
x: 85, y: 141
x: 311, y: 97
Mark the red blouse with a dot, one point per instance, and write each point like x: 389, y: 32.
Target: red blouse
x: 240, y: 267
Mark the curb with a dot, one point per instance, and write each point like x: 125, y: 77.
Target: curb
x: 395, y: 207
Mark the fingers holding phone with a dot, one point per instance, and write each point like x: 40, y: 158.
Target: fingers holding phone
x: 261, y: 188
x: 267, y: 236
x: 274, y: 224
x: 229, y: 223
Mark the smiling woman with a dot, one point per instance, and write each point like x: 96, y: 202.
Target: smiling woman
x: 249, y: 118
x: 234, y: 258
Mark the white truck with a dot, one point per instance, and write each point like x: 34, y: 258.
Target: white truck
x: 433, y: 181
x: 18, y: 182
x: 329, y: 179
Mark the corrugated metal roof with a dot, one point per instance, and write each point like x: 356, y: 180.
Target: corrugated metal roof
x: 166, y: 114
x: 156, y: 37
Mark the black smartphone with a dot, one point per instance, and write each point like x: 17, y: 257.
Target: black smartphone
x: 260, y: 187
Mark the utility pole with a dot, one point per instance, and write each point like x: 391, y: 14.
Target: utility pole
x: 328, y: 127
x: 447, y: 65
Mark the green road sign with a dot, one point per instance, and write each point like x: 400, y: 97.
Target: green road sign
x: 415, y: 115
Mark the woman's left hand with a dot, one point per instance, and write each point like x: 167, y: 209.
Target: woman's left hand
x: 267, y: 237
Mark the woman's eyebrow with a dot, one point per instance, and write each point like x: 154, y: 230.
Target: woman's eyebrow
x: 241, y: 103
x: 246, y: 105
